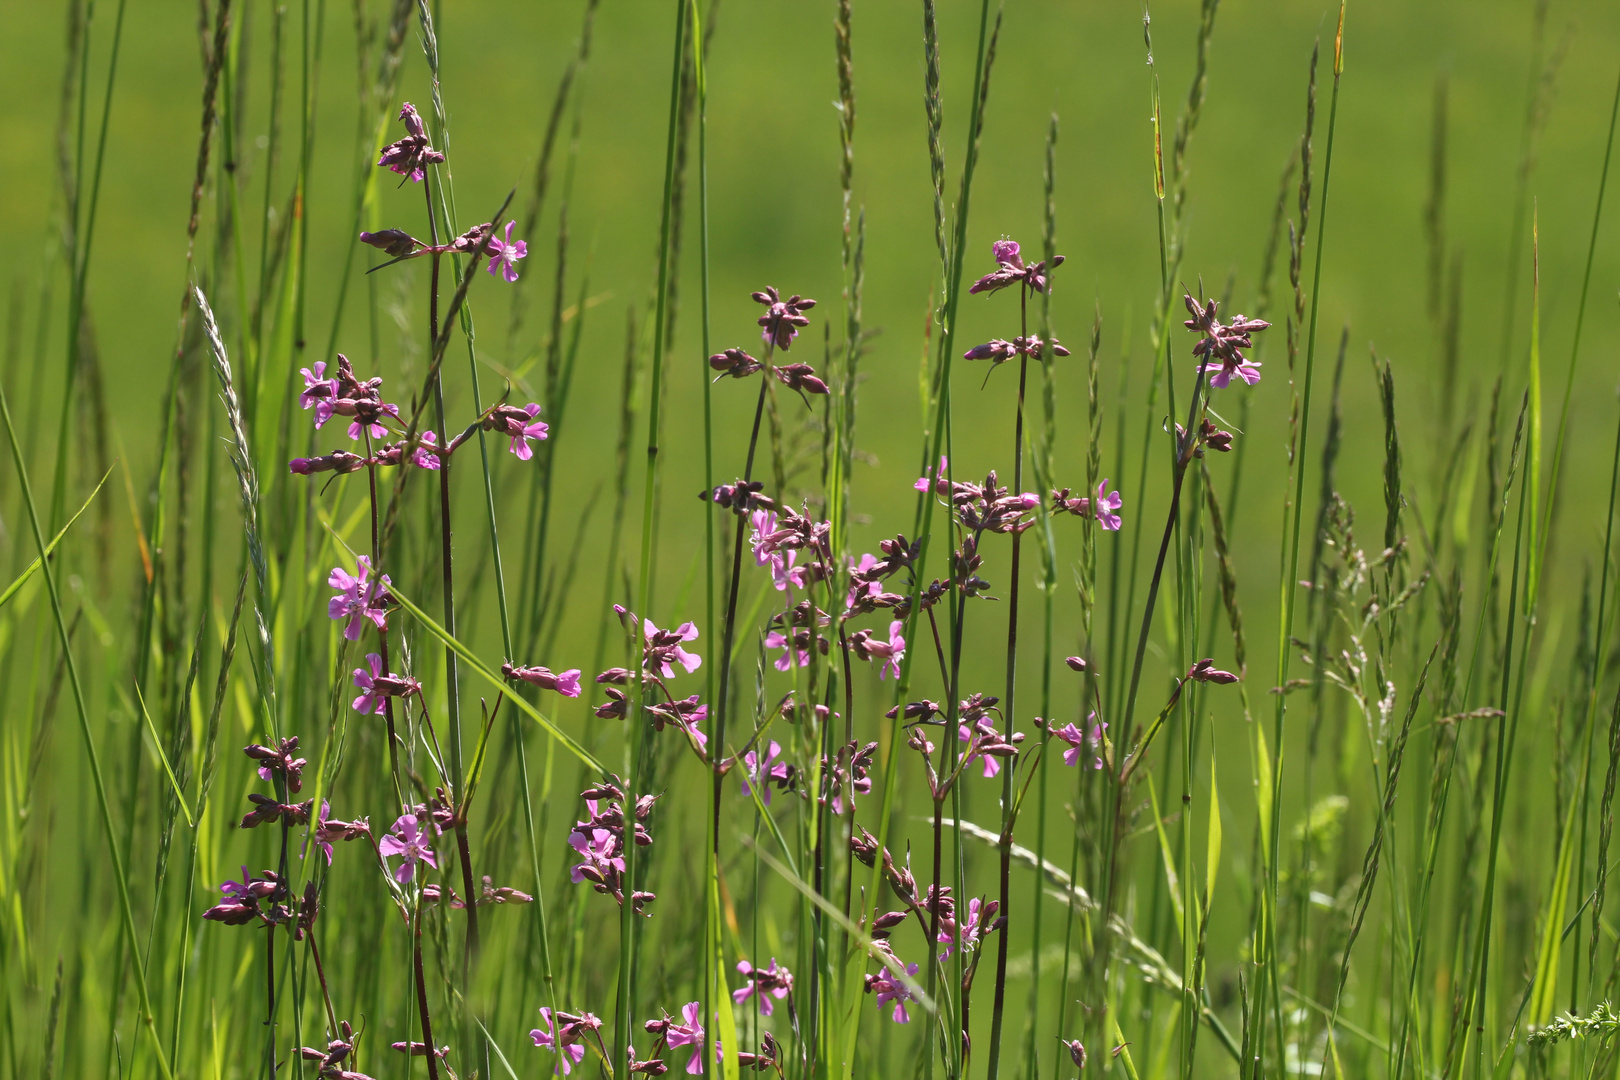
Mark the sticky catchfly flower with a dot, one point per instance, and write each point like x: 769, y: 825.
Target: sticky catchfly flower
x: 407, y: 841
x: 504, y: 254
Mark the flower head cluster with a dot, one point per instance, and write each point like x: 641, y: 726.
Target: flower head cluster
x: 281, y: 767
x: 796, y: 631
x: 410, y: 155
x: 866, y: 577
x: 1221, y: 347
x: 1000, y: 351
x: 260, y: 897
x: 783, y: 318
x: 848, y: 773
x: 346, y: 395
x: 329, y: 1062
x: 661, y: 649
x: 1010, y: 270
x: 985, y: 507
x: 1104, y: 507
x: 599, y: 840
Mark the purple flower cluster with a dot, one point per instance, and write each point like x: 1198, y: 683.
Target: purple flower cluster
x: 1221, y: 347
x: 410, y: 155
x: 566, y: 1037
x: 599, y: 840
x: 1010, y: 270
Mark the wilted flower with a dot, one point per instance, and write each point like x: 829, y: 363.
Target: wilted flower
x: 339, y: 461
x: 328, y: 830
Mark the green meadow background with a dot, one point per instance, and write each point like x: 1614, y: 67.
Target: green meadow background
x: 775, y: 217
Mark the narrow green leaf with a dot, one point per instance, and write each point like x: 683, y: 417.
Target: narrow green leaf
x: 467, y: 656
x: 28, y: 572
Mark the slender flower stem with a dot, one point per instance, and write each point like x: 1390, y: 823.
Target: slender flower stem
x: 447, y: 564
x: 421, y: 991
x: 993, y: 1067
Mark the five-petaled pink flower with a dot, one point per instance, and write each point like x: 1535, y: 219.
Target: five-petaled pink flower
x: 504, y: 254
x: 892, y: 651
x: 600, y: 852
x: 318, y: 390
x: 358, y: 599
x: 407, y: 841
x: 775, y: 981
x: 925, y: 483
x: 889, y: 987
x: 1078, y: 738
x: 761, y: 771
x: 569, y: 1055
x: 521, y: 433
x: 370, y: 699
x: 688, y: 1034
x: 1105, y: 506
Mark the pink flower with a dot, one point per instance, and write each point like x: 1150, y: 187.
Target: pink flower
x: 520, y: 432
x: 938, y: 482
x: 358, y: 599
x: 1106, y: 505
x: 358, y: 428
x: 370, y: 699
x: 571, y: 1052
x: 317, y: 389
x: 888, y: 987
x: 503, y: 255
x: 423, y: 459
x: 761, y: 772
x: 688, y: 1034
x: 406, y: 841
x: 892, y: 651
x: 966, y: 934
x: 777, y: 640
x: 565, y: 683
x: 600, y: 852
x: 1077, y: 738
x: 774, y: 980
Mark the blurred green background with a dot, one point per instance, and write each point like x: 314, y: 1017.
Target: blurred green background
x: 775, y: 214
x: 775, y: 206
